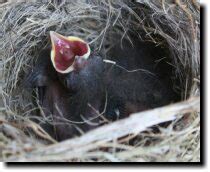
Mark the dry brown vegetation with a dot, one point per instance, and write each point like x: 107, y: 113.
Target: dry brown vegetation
x: 24, y: 29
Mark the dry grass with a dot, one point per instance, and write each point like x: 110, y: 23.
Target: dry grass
x: 24, y: 30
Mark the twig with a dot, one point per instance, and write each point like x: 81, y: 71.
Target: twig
x: 132, y: 125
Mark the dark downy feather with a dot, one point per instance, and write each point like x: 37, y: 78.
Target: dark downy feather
x: 76, y: 99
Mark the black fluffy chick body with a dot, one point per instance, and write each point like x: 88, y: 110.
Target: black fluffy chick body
x: 76, y: 100
x: 71, y: 100
x: 141, y: 78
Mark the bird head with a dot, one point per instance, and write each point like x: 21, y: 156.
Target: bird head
x: 68, y: 53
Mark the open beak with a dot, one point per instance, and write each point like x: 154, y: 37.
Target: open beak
x: 65, y: 50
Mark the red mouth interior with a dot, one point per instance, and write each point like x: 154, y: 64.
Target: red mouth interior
x: 65, y: 52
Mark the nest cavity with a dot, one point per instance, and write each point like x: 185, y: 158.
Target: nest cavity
x: 24, y: 31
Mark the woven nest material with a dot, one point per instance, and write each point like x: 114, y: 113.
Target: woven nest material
x: 175, y: 25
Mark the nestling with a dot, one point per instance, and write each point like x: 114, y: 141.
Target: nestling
x: 76, y: 86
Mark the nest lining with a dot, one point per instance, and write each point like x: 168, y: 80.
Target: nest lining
x: 24, y: 31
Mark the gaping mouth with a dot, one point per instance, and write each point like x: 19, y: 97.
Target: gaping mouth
x: 65, y: 49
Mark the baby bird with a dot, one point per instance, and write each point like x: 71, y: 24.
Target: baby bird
x: 137, y: 79
x: 76, y: 87
x: 67, y: 78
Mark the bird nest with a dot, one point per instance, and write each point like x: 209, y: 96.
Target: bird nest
x: 174, y: 25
